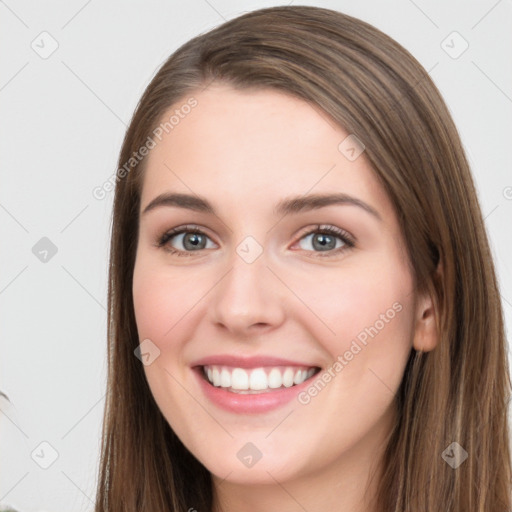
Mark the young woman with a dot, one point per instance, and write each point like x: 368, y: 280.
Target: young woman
x: 304, y: 313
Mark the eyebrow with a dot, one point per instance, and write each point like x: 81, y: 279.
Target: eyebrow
x: 288, y: 205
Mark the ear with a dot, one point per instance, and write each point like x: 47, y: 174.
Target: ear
x: 426, y: 336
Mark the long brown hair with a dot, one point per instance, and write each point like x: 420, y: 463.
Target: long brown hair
x: 457, y: 393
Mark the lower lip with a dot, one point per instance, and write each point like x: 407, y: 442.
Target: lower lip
x: 254, y: 403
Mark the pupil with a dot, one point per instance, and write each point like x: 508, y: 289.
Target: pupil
x: 324, y: 241
x: 187, y: 240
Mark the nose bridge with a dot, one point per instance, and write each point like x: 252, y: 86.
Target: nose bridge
x: 248, y: 294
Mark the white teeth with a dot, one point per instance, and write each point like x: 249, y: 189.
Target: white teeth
x: 288, y: 378
x: 225, y: 378
x: 274, y: 379
x: 216, y: 377
x: 257, y: 379
x: 239, y: 379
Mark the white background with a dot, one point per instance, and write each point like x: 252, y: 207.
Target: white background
x: 63, y: 120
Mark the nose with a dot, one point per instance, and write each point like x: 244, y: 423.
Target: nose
x: 249, y: 299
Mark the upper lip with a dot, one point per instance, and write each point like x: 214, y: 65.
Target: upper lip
x: 247, y: 362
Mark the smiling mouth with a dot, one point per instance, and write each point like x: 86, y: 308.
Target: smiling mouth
x: 257, y: 380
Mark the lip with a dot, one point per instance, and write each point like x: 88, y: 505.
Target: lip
x: 248, y: 362
x: 257, y: 403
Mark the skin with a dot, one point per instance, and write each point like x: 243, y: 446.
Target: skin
x: 244, y: 151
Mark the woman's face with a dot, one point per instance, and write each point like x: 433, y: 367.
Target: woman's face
x: 261, y: 297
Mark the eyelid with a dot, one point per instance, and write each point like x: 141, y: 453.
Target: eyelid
x: 163, y: 238
x: 330, y: 229
x: 347, y: 239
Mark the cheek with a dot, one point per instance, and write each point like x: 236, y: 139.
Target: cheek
x: 368, y: 306
x: 364, y: 322
x: 167, y: 307
x: 160, y: 305
x: 160, y: 301
x: 157, y: 312
x: 151, y: 305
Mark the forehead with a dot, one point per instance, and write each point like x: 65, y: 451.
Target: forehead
x: 241, y: 145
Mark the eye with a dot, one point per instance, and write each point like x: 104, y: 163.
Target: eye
x: 190, y: 238
x: 326, y: 238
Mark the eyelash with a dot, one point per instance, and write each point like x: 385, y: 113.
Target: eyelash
x: 323, y: 229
